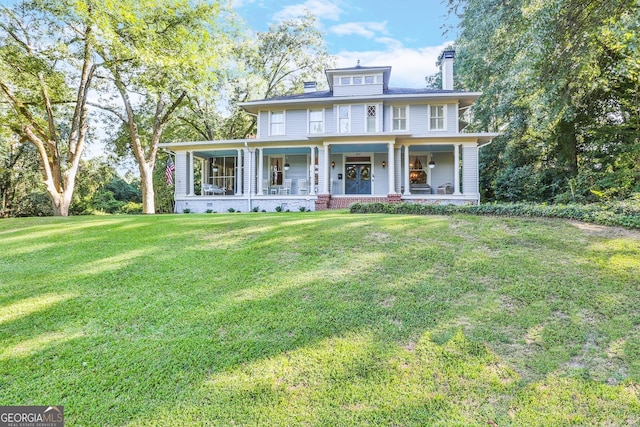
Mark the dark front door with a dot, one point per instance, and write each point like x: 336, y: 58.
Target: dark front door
x: 358, y: 179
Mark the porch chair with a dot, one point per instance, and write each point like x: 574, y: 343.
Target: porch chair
x: 286, y: 188
x: 265, y: 186
x: 302, y: 186
x: 212, y: 189
x: 446, y: 188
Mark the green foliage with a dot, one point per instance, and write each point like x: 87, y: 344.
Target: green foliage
x: 559, y: 79
x: 618, y: 213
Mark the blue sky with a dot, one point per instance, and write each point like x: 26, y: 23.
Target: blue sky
x: 405, y: 34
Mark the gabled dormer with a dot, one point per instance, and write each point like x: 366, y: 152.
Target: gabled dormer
x: 358, y: 80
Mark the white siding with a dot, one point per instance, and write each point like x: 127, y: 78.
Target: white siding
x: 451, y: 118
x: 330, y: 120
x: 355, y: 90
x: 263, y: 124
x: 181, y: 173
x: 357, y: 118
x: 470, y: 174
x: 418, y: 119
x: 296, y: 123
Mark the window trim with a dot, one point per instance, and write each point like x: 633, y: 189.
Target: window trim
x: 322, y: 112
x: 444, y: 118
x: 339, y: 129
x: 271, y: 123
x: 377, y: 118
x: 406, y: 118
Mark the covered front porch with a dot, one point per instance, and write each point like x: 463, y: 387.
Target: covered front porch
x: 250, y: 176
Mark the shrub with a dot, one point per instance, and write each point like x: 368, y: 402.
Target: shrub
x: 131, y: 208
x: 278, y: 208
x: 187, y: 210
x: 231, y: 210
x: 625, y: 213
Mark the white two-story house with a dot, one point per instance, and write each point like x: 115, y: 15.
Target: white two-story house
x: 361, y: 140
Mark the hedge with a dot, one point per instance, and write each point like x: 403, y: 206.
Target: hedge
x: 625, y: 213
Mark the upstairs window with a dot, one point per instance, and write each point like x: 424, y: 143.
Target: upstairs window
x: 344, y: 118
x: 399, y: 118
x: 277, y: 123
x: 357, y: 80
x: 436, y: 117
x: 316, y: 121
x: 372, y: 118
x: 345, y: 80
x: 369, y: 80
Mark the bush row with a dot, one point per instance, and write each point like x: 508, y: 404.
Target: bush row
x: 625, y: 213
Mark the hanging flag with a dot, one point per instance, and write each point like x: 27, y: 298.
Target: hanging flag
x: 169, y: 172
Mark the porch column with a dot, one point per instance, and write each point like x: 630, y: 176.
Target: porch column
x: 391, y: 165
x: 407, y: 183
x: 202, y: 175
x: 239, y: 173
x: 324, y: 173
x: 456, y: 169
x: 190, y: 190
x: 252, y: 172
x: 312, y: 172
x: 260, y: 161
x: 398, y: 170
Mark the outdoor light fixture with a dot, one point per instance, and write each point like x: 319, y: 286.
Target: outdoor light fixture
x: 333, y: 165
x: 384, y: 164
x: 286, y: 166
x: 215, y: 167
x: 432, y: 164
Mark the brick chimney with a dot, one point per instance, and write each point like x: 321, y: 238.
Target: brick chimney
x: 310, y: 87
x: 447, y: 69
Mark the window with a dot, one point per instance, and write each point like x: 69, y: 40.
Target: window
x: 222, y: 173
x: 372, y: 121
x: 399, y: 118
x: 345, y: 80
x: 344, y: 118
x: 357, y: 80
x: 369, y: 80
x: 276, y: 170
x: 316, y: 121
x: 277, y: 123
x: 436, y: 117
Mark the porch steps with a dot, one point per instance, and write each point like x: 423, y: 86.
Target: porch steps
x: 343, y: 202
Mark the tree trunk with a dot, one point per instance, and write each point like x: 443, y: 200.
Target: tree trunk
x: 146, y: 183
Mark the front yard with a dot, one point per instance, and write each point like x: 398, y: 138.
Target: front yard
x: 321, y: 318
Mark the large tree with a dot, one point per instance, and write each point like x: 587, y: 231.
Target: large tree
x: 156, y: 53
x: 46, y: 69
x: 558, y: 79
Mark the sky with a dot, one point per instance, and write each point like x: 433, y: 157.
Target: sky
x: 407, y: 35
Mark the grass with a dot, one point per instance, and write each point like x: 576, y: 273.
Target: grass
x: 321, y: 319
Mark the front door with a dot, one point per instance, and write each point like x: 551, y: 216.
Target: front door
x: 358, y: 179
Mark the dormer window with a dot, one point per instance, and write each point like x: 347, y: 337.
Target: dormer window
x: 369, y: 80
x: 345, y: 80
x: 357, y: 80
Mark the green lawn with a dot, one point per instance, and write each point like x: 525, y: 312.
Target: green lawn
x: 320, y: 319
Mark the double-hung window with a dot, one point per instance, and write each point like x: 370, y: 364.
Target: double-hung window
x: 344, y: 118
x: 436, y: 117
x: 399, y: 118
x: 372, y: 118
x: 316, y: 121
x: 277, y: 123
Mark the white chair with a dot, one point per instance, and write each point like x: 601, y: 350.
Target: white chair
x: 286, y: 188
x: 302, y: 186
x: 212, y: 189
x: 265, y: 186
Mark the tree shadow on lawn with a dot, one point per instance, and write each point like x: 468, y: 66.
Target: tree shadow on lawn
x: 311, y: 335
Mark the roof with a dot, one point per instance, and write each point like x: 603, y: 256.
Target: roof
x: 465, y: 98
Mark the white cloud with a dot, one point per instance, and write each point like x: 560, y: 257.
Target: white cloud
x: 320, y: 9
x: 409, y: 66
x: 364, y: 29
